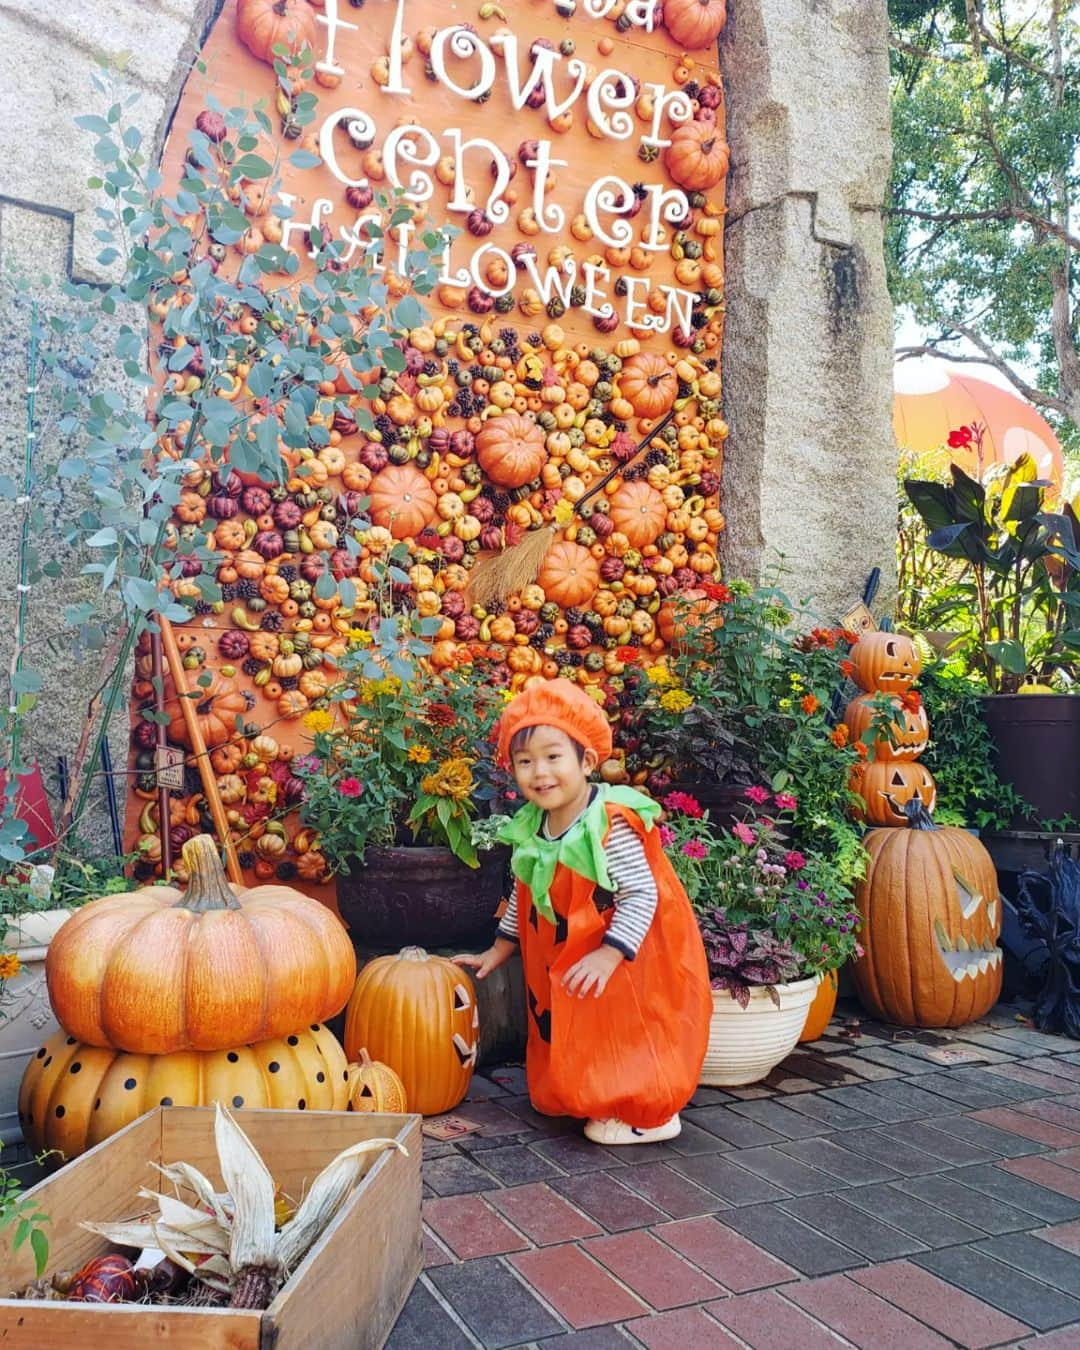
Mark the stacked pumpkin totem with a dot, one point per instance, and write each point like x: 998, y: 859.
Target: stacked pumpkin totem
x: 185, y: 998
x: 929, y: 899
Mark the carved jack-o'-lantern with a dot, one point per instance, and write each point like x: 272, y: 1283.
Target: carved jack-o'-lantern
x: 888, y: 663
x: 909, y: 731
x: 417, y: 1013
x: 931, y: 922
x: 887, y: 786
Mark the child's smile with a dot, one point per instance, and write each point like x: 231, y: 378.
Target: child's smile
x: 552, y: 776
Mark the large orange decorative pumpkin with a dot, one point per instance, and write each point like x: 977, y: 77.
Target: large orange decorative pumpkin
x: 511, y: 450
x: 375, y: 1087
x: 75, y: 1095
x: 931, y: 922
x: 885, y: 662
x: 886, y: 787
x: 402, y: 500
x: 695, y: 24
x: 697, y: 157
x: 263, y: 25
x: 157, y: 970
x: 649, y: 384
x: 638, y: 510
x: 569, y: 574
x: 417, y: 1013
x: 217, y: 707
x: 909, y: 730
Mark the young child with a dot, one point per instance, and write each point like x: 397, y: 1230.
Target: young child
x: 615, y: 973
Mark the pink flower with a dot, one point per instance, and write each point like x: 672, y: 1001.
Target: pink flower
x: 694, y: 848
x: 667, y: 836
x: 758, y: 795
x: 785, y: 801
x: 350, y: 787
x: 743, y: 833
x: 684, y: 804
x: 794, y: 860
x: 859, y: 949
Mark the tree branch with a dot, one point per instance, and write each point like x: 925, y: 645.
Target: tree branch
x: 1011, y: 212
x: 954, y: 331
x: 1012, y: 55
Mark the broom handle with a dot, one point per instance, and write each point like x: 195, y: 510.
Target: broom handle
x: 622, y: 468
x: 198, y: 746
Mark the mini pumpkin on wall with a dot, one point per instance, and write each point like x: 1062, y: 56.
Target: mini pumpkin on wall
x: 417, y: 1014
x: 931, y: 923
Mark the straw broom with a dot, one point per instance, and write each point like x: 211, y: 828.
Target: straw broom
x: 514, y: 568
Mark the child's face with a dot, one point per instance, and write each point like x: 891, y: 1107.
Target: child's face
x: 549, y: 772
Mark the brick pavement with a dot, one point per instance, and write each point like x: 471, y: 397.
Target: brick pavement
x: 882, y: 1189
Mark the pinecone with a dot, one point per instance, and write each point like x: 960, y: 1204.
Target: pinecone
x: 251, y: 666
x: 535, y: 340
x: 431, y: 367
x: 288, y: 573
x: 655, y: 458
x: 289, y: 681
x: 285, y: 871
x: 272, y: 622
x: 203, y: 607
x: 246, y: 858
x: 563, y: 658
x: 228, y: 592
x: 574, y: 616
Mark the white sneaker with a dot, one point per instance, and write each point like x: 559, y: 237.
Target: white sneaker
x: 612, y: 1131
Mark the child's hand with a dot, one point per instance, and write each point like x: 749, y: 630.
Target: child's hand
x: 592, y: 972
x: 496, y: 955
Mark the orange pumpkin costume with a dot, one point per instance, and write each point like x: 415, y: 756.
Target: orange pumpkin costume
x: 635, y: 1053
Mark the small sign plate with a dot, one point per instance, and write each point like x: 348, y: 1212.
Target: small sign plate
x: 859, y: 620
x: 169, y: 767
x: 445, y: 1128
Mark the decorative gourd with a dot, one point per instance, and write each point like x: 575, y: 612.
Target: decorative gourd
x: 75, y: 1095
x: 887, y: 786
x: 888, y: 663
x: 909, y: 730
x: 820, y: 1012
x: 263, y: 25
x: 569, y: 574
x: 931, y: 922
x: 217, y: 706
x: 638, y: 510
x: 694, y: 24
x: 649, y: 384
x: 417, y: 1013
x: 156, y: 970
x: 375, y: 1087
x: 104, y: 1279
x: 697, y: 157
x: 693, y: 615
x: 402, y: 500
x: 511, y: 451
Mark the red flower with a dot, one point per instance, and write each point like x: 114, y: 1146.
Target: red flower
x: 848, y: 668
x: 794, y: 860
x: 350, y: 787
x: 758, y: 795
x: 809, y: 704
x: 684, y: 803
x: 626, y: 653
x: 961, y: 438
x: 440, y: 715
x: 912, y: 700
x: 714, y: 590
x: 861, y: 749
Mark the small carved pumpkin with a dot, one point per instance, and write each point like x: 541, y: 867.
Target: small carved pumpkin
x: 931, y: 922
x: 402, y: 500
x: 888, y: 663
x: 638, y: 510
x: 417, y: 1013
x: 75, y: 1095
x: 569, y: 574
x: 909, y: 731
x: 649, y: 384
x: 697, y: 157
x: 511, y: 450
x: 694, y: 24
x: 375, y: 1087
x: 887, y: 786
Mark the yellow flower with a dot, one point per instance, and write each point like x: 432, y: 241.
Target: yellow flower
x: 452, y: 779
x: 506, y: 695
x: 676, y: 701
x: 796, y: 682
x: 660, y: 675
x: 9, y: 965
x: 318, y: 720
x: 785, y: 705
x: 361, y: 637
x: 419, y: 754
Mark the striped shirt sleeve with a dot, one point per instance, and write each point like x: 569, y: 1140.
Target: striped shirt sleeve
x: 634, y: 891
x: 508, y: 924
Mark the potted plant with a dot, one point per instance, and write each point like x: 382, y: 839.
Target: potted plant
x: 774, y: 920
x: 397, y: 774
x: 1017, y: 603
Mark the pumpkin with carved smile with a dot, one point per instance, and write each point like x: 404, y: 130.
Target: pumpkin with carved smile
x: 909, y: 731
x: 887, y: 663
x: 886, y: 786
x: 931, y: 923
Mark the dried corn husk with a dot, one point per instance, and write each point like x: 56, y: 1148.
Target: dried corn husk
x: 236, y: 1238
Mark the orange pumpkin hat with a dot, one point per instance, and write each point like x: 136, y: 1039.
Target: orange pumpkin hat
x: 559, y: 704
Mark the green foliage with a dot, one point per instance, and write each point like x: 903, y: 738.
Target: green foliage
x: 28, y: 1219
x: 986, y: 131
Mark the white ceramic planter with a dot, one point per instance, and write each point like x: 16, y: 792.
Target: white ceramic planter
x: 26, y: 1019
x: 746, y: 1044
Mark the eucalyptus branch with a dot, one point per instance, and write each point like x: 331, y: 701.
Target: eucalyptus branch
x: 1042, y: 223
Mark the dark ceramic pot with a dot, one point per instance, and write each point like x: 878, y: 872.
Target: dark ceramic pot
x: 423, y: 897
x: 1037, y: 749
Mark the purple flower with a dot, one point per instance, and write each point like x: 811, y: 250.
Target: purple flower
x: 307, y: 764
x: 804, y: 885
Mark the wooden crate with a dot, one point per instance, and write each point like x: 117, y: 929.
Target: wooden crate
x: 346, y: 1295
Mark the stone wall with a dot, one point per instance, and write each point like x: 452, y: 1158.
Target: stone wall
x: 810, y: 463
